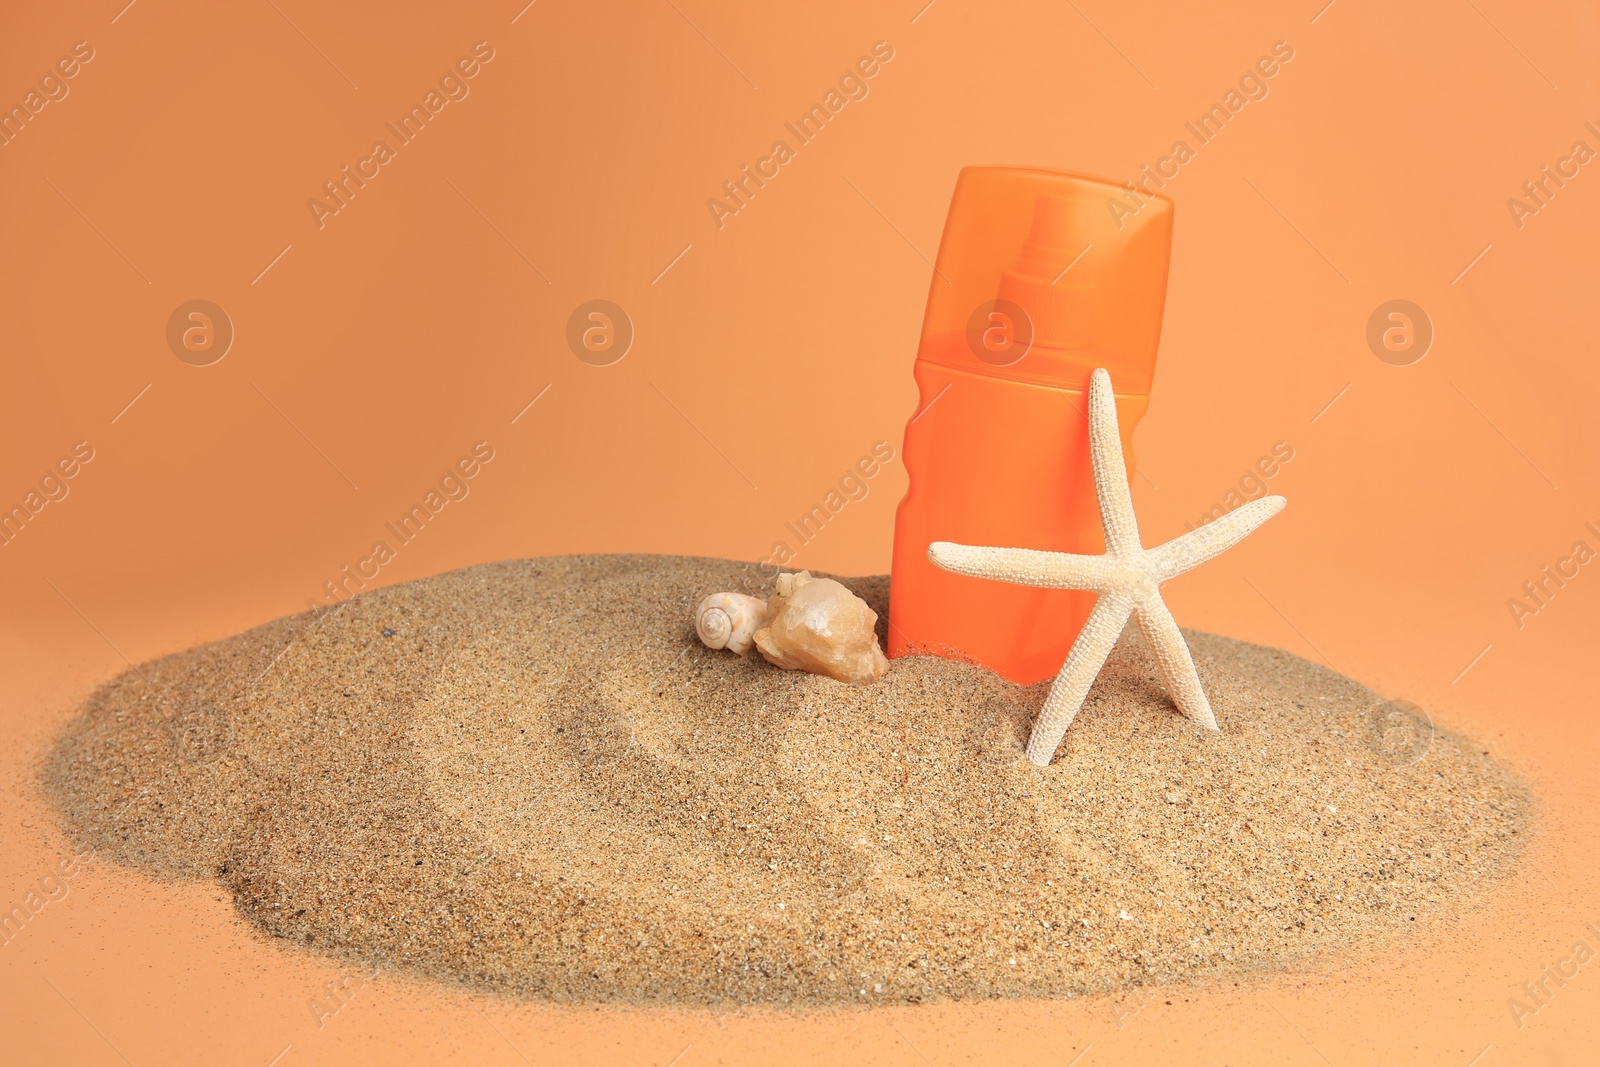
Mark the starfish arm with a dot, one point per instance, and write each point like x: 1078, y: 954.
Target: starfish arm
x: 1195, y: 547
x: 1078, y: 673
x: 1161, y: 633
x: 1110, y: 469
x: 1023, y: 566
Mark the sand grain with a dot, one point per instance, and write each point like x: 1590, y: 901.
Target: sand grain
x: 540, y: 784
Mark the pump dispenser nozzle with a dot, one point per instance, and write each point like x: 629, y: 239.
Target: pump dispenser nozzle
x: 1040, y: 282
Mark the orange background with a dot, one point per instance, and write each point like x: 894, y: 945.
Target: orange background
x: 769, y: 357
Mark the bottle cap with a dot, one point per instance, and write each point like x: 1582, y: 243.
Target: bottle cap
x: 1043, y: 276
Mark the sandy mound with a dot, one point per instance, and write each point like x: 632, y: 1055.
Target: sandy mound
x: 530, y: 777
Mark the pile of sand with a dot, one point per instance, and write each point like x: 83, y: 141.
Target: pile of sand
x: 529, y: 777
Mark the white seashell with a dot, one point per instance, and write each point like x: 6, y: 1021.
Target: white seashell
x: 817, y: 625
x: 729, y: 620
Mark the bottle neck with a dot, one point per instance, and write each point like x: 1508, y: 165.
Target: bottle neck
x: 1005, y: 360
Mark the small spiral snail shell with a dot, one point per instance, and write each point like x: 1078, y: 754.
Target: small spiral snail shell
x: 729, y: 620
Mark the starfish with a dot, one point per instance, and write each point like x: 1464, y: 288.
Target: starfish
x: 1127, y: 578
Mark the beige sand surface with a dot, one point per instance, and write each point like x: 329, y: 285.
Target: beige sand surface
x: 529, y: 777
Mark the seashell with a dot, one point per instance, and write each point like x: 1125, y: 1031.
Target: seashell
x: 729, y: 620
x: 817, y: 625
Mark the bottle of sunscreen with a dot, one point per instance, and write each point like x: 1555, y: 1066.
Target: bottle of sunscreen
x: 1042, y: 276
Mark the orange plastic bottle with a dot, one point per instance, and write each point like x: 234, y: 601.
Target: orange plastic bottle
x: 1042, y: 277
